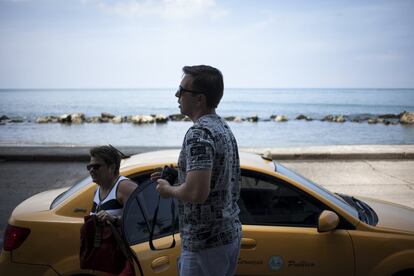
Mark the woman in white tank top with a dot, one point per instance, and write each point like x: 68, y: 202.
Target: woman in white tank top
x: 113, y: 190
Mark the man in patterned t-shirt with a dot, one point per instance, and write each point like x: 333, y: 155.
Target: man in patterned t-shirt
x: 208, y: 181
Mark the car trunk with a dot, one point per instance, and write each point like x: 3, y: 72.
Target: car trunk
x: 37, y: 203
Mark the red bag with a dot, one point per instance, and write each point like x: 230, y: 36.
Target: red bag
x: 99, y: 249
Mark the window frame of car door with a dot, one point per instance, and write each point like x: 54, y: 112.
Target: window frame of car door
x: 343, y: 223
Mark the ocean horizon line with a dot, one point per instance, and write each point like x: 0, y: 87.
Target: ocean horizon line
x: 231, y: 88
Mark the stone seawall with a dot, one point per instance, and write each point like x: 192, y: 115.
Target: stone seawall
x: 80, y: 153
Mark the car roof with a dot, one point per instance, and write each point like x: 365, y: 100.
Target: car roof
x: 171, y: 156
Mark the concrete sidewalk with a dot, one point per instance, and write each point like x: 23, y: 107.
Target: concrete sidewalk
x: 342, y: 152
x: 389, y: 180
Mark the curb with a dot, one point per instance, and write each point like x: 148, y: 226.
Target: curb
x: 81, y: 153
x: 349, y: 156
x: 341, y: 152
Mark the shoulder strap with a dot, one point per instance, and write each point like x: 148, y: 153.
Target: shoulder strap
x: 151, y: 225
x: 126, y: 250
x: 154, y: 221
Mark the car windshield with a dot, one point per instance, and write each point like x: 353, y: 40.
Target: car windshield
x: 63, y: 196
x: 340, y: 202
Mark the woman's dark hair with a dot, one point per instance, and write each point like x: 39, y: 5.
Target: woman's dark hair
x: 108, y: 154
x: 208, y: 80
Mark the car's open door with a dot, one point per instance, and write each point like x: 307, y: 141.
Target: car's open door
x: 137, y: 223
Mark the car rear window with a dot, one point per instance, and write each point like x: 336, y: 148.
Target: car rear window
x: 63, y: 196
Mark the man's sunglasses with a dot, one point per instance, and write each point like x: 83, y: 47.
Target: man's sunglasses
x: 95, y: 167
x: 182, y: 89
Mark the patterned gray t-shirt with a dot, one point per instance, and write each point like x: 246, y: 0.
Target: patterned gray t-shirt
x: 210, y: 144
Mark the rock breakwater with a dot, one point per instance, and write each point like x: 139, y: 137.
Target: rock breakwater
x: 404, y: 118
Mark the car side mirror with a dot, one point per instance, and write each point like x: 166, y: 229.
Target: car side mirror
x: 327, y: 221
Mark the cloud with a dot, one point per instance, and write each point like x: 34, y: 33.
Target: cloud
x: 166, y: 9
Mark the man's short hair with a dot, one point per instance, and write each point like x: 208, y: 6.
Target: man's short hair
x: 208, y: 80
x: 108, y: 154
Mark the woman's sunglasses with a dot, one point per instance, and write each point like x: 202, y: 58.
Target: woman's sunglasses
x: 94, y: 167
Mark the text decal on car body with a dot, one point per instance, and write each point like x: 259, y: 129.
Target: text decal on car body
x: 293, y: 263
x: 250, y: 262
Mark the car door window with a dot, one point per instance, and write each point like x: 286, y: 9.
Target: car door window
x: 139, y: 212
x: 265, y: 200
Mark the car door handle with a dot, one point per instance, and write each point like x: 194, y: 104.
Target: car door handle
x: 160, y: 264
x: 248, y: 243
x: 79, y: 210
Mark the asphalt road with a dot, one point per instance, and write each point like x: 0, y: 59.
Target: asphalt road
x: 390, y: 180
x: 20, y: 180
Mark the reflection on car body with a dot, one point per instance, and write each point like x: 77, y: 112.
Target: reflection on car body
x: 291, y: 226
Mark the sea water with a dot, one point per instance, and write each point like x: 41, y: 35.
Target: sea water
x: 315, y: 103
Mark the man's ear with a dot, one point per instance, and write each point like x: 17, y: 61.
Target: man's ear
x: 202, y: 99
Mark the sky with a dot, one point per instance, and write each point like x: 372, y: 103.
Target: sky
x: 256, y: 44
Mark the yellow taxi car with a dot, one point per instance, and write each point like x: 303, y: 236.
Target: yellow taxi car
x: 291, y: 226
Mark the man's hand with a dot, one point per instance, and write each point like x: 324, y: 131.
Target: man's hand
x: 163, y: 187
x: 196, y: 188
